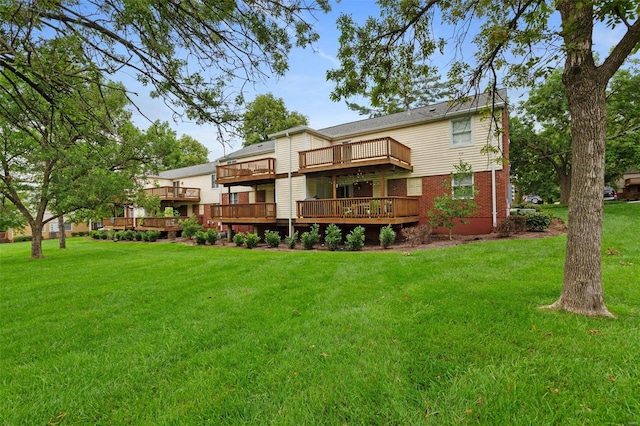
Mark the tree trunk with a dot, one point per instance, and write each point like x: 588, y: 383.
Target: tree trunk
x: 63, y: 234
x: 36, y: 240
x: 582, y: 284
x: 565, y: 187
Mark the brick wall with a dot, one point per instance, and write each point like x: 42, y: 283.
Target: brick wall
x: 481, y: 221
x: 397, y: 187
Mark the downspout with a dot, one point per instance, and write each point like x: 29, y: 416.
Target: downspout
x: 494, y: 213
x: 290, y: 189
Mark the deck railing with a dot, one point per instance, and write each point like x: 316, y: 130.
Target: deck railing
x: 264, y: 168
x: 175, y: 193
x: 118, y: 222
x: 354, y: 152
x: 364, y: 207
x: 244, y: 211
x: 164, y: 223
x: 144, y: 223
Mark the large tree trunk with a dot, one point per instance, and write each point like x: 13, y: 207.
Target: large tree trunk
x: 63, y: 234
x: 585, y: 88
x: 36, y: 240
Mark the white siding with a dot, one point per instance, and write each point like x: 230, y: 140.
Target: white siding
x: 208, y: 195
x: 282, y: 196
x: 299, y: 142
x: 431, y: 153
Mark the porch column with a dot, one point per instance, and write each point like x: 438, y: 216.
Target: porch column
x: 334, y: 180
x: 382, y: 188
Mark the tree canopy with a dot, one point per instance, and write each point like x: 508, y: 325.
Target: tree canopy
x: 515, y: 43
x: 51, y: 164
x: 171, y: 152
x: 197, y: 56
x: 266, y: 115
x: 541, y: 137
x: 63, y: 122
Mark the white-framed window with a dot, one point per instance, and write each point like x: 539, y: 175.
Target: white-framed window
x: 233, y: 198
x: 461, y: 134
x: 414, y: 186
x: 462, y: 187
x: 213, y: 181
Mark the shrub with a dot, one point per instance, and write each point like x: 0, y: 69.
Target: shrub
x: 239, y: 239
x: 416, y: 235
x: 272, y: 238
x: 355, y: 239
x: 200, y: 237
x: 104, y: 235
x: 333, y: 237
x: 151, y: 236
x: 251, y: 240
x: 212, y: 235
x: 535, y: 207
x: 537, y: 221
x: 128, y: 235
x: 290, y: 241
x: 96, y: 235
x: 387, y: 236
x: 138, y: 236
x: 311, y: 237
x: 513, y: 224
x: 22, y: 238
x: 118, y: 236
x: 190, y: 227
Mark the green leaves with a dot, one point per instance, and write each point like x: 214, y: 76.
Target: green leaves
x: 267, y: 115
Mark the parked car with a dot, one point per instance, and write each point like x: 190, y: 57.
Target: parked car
x: 610, y: 194
x: 533, y: 199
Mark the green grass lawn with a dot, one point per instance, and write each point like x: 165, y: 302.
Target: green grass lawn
x: 133, y: 333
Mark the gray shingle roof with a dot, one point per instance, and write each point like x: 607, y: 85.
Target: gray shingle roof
x: 434, y: 112
x: 255, y: 149
x: 200, y: 169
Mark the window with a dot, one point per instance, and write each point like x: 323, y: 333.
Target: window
x: 461, y: 132
x: 345, y: 191
x: 233, y: 198
x: 213, y: 181
x: 462, y: 186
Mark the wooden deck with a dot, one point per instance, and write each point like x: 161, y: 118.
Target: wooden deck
x: 142, y: 224
x: 250, y: 172
x: 175, y: 193
x: 244, y: 213
x: 378, y: 211
x: 374, y: 152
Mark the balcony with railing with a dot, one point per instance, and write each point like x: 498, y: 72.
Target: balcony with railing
x: 143, y: 223
x: 252, y: 172
x: 118, y: 223
x: 175, y: 193
x: 362, y: 210
x: 244, y: 213
x: 374, y: 152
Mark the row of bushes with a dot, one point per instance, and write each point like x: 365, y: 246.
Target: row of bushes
x: 354, y: 241
x: 536, y: 221
x: 22, y: 238
x: 127, y: 235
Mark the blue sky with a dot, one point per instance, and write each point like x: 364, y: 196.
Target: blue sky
x: 304, y: 88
